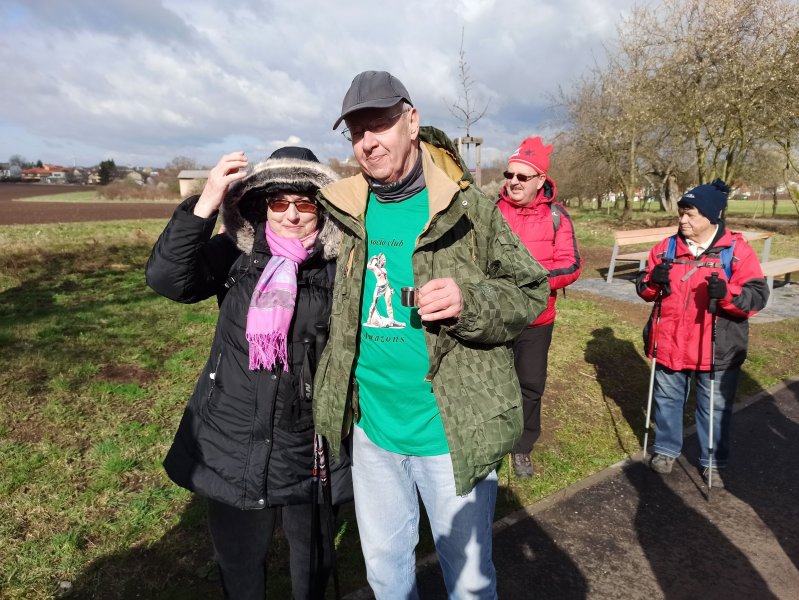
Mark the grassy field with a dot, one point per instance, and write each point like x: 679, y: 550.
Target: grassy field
x: 748, y: 208
x: 752, y: 208
x: 97, y: 369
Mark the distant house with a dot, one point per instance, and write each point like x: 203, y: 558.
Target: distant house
x: 191, y: 182
x: 46, y: 174
x: 56, y: 177
x: 77, y: 176
x: 8, y: 171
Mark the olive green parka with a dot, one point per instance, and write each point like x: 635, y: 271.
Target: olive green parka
x: 471, y: 362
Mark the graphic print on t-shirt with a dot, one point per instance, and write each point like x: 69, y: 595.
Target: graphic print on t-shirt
x: 399, y: 412
x: 383, y: 289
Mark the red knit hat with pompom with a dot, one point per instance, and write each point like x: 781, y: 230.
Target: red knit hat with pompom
x: 532, y: 153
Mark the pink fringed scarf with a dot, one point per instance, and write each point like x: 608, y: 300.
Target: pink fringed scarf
x: 273, y: 300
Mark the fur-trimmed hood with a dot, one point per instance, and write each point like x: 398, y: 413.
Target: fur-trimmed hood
x: 245, y: 203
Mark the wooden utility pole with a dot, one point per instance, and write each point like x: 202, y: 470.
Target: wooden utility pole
x: 469, y: 141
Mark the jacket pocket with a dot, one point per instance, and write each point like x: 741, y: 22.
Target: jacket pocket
x: 495, y: 434
x: 495, y: 411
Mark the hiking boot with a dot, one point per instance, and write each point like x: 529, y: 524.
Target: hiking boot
x: 718, y: 477
x: 522, y: 467
x: 661, y: 463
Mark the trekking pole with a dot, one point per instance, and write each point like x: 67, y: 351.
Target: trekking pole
x: 655, y: 332
x: 314, y: 519
x: 327, y: 495
x: 711, y: 307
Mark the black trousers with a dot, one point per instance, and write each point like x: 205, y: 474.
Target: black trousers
x: 530, y: 350
x: 242, y: 539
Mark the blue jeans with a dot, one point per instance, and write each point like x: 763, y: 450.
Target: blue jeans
x: 387, y: 488
x: 670, y: 394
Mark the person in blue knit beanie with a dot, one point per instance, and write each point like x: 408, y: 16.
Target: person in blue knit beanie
x: 704, y: 280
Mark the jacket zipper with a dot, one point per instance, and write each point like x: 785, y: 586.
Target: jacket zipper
x: 212, y: 376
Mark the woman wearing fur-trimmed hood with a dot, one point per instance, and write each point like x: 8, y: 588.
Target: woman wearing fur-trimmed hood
x: 246, y: 440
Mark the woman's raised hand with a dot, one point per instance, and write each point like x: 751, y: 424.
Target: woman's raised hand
x: 230, y: 169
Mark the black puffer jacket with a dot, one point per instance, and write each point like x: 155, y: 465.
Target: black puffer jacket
x: 246, y: 437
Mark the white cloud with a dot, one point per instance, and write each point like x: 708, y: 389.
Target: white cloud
x: 146, y: 80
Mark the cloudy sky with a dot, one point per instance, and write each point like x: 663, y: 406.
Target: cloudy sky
x: 144, y: 81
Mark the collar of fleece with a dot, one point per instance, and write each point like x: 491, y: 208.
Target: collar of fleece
x: 244, y: 206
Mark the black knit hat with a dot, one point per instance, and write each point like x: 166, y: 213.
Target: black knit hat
x: 709, y: 199
x: 295, y: 152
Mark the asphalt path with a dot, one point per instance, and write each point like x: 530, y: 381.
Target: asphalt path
x: 629, y: 533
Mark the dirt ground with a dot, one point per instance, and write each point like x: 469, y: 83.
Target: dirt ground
x: 15, y: 212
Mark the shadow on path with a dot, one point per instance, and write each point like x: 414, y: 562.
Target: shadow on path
x: 765, y: 471
x: 689, y: 556
x: 528, y: 562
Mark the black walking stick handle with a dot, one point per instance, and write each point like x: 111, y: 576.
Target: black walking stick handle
x: 712, y: 303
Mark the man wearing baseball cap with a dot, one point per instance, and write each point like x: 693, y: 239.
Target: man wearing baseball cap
x: 429, y: 395
x: 704, y: 273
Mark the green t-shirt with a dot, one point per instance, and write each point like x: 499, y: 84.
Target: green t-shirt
x: 398, y: 409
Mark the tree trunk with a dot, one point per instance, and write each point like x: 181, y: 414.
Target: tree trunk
x: 774, y: 202
x: 670, y: 194
x: 701, y: 156
x: 629, y: 192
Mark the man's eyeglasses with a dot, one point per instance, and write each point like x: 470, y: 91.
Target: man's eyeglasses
x: 520, y: 177
x: 376, y: 126
x: 303, y: 206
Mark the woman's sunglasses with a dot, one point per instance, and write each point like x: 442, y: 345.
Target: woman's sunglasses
x: 520, y: 177
x: 303, y: 206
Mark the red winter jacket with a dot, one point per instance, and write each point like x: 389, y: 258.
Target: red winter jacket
x: 556, y: 251
x: 684, y: 331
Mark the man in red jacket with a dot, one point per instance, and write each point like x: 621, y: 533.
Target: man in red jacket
x: 703, y: 266
x: 527, y: 202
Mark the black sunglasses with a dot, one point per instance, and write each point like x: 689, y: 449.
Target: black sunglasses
x: 520, y: 177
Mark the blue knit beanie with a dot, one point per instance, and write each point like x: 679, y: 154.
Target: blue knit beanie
x: 709, y: 199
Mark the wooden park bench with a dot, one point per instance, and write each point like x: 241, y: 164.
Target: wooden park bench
x: 775, y: 268
x: 633, y: 237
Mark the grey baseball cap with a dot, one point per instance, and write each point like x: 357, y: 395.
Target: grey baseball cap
x: 372, y: 89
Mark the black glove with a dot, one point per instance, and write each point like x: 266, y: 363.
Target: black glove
x: 660, y: 274
x: 716, y: 287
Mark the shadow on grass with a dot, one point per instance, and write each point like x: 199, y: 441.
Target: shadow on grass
x: 623, y: 376
x: 66, y: 297
x: 179, y: 566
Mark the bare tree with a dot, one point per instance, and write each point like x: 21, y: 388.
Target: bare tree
x: 723, y: 68
x: 465, y: 108
x: 182, y: 163
x: 790, y: 170
x: 610, y: 112
x: 692, y: 86
x: 764, y: 171
x: 580, y: 175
